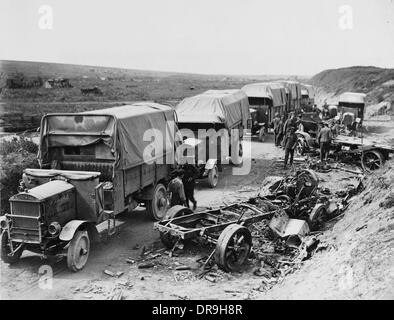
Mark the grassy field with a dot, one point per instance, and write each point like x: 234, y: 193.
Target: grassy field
x: 117, y: 86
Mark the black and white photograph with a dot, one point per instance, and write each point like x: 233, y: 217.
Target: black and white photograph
x: 219, y: 151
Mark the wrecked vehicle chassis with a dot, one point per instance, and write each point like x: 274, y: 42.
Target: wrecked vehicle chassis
x: 226, y: 228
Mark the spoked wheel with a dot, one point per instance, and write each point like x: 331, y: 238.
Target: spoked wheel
x: 157, y: 207
x: 213, y: 176
x: 78, y: 251
x: 233, y: 247
x: 317, y: 217
x: 174, y: 212
x: 300, y: 147
x: 6, y: 249
x: 307, y: 180
x: 372, y: 160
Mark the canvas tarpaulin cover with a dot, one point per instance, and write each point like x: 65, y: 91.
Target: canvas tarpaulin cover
x: 310, y: 91
x: 121, y: 128
x: 273, y: 91
x: 352, y: 97
x: 215, y: 106
x: 294, y: 88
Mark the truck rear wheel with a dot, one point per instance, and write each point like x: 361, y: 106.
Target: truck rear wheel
x: 157, y: 207
x: 78, y: 251
x: 372, y: 160
x: 174, y: 212
x: 6, y: 249
x: 213, y: 176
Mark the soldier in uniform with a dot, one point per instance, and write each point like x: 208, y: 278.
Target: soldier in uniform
x: 176, y: 189
x: 189, y: 183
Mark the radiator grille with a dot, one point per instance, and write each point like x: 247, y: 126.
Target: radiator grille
x: 25, y: 224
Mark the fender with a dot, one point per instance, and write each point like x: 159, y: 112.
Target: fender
x: 69, y: 229
x: 308, y: 139
x: 210, y: 164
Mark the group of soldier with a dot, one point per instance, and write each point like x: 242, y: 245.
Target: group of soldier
x: 285, y: 136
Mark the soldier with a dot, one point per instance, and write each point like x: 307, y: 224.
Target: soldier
x: 290, y: 143
x: 275, y: 123
x: 189, y: 183
x: 176, y: 189
x: 280, y: 131
x: 324, y: 140
x: 291, y: 122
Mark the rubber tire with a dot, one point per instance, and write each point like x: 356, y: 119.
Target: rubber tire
x: 150, y: 204
x: 212, y: 181
x: 174, y: 212
x: 300, y: 147
x: 223, y: 242
x: 378, y: 154
x: 72, y: 251
x: 317, y: 212
x: 313, y: 178
x: 4, y: 252
x: 178, y: 211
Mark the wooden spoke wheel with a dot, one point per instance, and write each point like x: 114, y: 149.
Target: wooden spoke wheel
x: 6, y: 249
x: 372, y: 160
x: 317, y: 217
x: 174, y: 212
x: 233, y: 247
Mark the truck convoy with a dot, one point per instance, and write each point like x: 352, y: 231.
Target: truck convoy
x: 94, y: 165
x: 214, y: 112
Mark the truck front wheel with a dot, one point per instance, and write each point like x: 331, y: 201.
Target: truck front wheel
x: 157, y: 207
x: 6, y: 249
x: 78, y: 251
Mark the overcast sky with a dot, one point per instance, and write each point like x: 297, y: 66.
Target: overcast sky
x: 204, y: 36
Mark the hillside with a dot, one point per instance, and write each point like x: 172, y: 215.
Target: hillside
x: 377, y: 83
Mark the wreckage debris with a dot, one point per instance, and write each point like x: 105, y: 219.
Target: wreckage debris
x: 277, y: 230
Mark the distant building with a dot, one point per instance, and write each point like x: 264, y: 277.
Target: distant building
x: 57, y: 83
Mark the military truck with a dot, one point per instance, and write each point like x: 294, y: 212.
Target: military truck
x: 94, y: 166
x: 268, y: 98
x: 214, y: 112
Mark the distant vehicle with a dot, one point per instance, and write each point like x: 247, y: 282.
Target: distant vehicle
x: 268, y: 98
x: 371, y: 155
x: 213, y: 109
x: 311, y: 124
x: 293, y: 94
x: 307, y: 97
x: 352, y: 102
x: 93, y: 167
